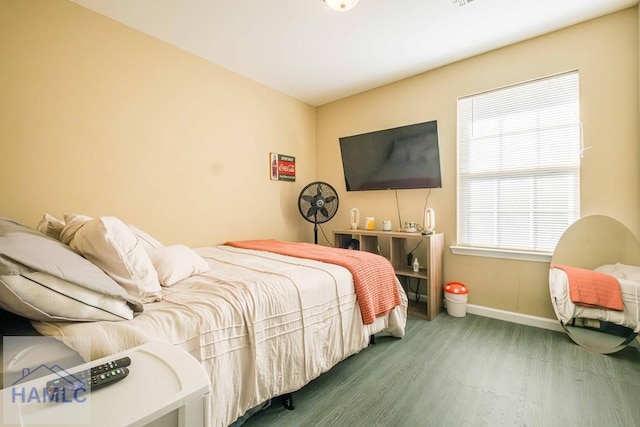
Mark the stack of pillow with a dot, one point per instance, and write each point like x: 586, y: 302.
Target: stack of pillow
x: 84, y: 269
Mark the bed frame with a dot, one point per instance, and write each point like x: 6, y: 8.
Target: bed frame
x: 262, y: 324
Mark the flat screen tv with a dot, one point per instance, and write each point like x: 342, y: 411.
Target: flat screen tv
x: 398, y: 158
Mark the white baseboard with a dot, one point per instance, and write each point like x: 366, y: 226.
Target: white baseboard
x: 524, y: 319
x: 509, y: 316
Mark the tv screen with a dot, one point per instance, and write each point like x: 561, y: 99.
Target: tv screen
x: 399, y: 158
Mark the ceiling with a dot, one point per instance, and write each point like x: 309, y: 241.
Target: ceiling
x: 308, y: 51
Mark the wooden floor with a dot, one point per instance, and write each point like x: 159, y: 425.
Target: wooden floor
x: 470, y: 371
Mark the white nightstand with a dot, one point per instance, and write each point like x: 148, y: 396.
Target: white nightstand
x: 166, y: 386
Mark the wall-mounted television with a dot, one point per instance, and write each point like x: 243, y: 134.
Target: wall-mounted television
x: 398, y: 158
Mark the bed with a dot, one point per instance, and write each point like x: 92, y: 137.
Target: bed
x: 594, y: 283
x: 263, y: 324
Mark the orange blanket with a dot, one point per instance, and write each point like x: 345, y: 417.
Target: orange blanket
x: 373, y: 275
x: 593, y: 289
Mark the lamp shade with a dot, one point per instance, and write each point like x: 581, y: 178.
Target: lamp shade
x: 341, y: 5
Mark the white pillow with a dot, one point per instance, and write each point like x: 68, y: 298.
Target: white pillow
x: 621, y: 271
x: 43, y: 279
x: 148, y: 242
x: 606, y: 269
x: 72, y: 223
x: 76, y: 220
x: 41, y: 296
x: 629, y: 272
x: 176, y: 262
x: 51, y: 226
x: 111, y: 245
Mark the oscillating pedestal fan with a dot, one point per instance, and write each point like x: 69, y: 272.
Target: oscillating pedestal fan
x: 318, y: 203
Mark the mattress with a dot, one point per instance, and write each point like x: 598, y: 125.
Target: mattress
x: 629, y: 279
x: 261, y: 324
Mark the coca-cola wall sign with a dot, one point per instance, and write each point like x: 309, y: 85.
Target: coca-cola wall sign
x: 282, y: 167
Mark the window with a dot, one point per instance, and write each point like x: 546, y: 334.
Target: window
x: 519, y: 153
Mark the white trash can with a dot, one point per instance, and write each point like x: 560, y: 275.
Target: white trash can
x: 456, y: 294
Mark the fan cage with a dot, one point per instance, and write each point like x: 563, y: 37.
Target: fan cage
x: 318, y: 202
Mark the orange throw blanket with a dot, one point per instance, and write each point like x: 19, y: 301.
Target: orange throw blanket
x: 593, y: 289
x: 374, y: 277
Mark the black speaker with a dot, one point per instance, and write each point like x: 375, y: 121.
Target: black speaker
x: 352, y: 244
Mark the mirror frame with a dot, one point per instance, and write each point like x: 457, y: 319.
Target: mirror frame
x: 588, y: 243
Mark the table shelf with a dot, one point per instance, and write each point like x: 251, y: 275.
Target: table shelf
x: 398, y: 245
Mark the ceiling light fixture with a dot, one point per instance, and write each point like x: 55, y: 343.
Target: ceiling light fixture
x: 341, y: 5
x: 462, y: 2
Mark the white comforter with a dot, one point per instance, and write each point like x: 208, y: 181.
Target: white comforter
x: 629, y: 279
x: 261, y: 324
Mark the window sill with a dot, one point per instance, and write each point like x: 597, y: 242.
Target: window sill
x: 502, y: 253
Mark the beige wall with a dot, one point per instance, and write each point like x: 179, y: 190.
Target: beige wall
x: 605, y: 51
x: 100, y: 119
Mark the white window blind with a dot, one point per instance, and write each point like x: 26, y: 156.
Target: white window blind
x: 519, y: 153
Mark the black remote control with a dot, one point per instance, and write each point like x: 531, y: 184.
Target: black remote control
x: 108, y: 366
x: 69, y: 387
x: 102, y: 380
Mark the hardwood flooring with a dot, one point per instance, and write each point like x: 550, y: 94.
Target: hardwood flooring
x: 470, y: 371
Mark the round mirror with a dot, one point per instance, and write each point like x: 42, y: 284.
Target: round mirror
x: 592, y: 242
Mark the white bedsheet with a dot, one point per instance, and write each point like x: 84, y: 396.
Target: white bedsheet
x: 262, y: 325
x: 629, y: 286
